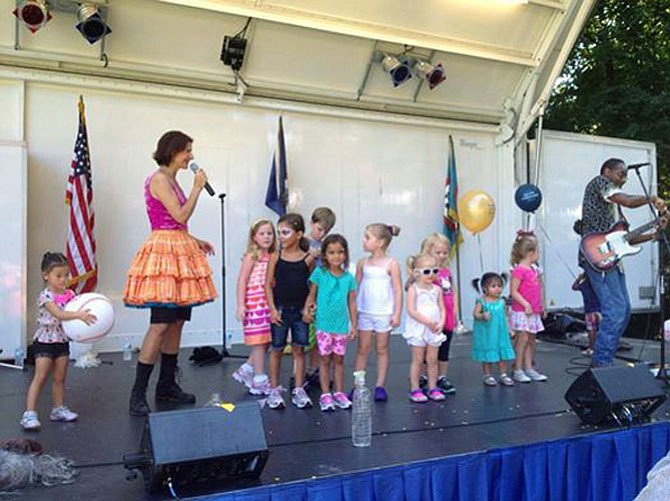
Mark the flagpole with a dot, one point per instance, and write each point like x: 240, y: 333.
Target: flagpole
x: 458, y: 282
x: 224, y: 349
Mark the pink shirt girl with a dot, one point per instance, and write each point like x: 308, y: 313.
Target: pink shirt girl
x: 529, y: 287
x: 445, y: 283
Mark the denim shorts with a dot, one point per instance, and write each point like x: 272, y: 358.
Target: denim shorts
x: 291, y: 318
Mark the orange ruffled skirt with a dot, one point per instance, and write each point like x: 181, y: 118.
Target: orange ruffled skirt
x: 169, y: 270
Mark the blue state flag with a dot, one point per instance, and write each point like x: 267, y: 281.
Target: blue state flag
x: 276, y: 196
x: 452, y: 229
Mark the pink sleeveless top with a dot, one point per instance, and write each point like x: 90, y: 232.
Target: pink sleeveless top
x: 159, y: 217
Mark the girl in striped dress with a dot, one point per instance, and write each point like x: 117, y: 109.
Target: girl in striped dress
x: 252, y: 306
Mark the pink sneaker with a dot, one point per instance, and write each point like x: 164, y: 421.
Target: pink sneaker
x: 436, y: 395
x: 417, y: 396
x: 341, y: 400
x: 326, y: 402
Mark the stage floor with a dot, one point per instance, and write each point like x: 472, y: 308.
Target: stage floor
x: 307, y: 443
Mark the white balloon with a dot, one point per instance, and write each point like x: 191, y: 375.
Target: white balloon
x: 98, y: 305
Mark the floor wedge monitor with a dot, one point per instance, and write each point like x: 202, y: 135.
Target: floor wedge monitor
x: 619, y: 395
x: 197, y: 448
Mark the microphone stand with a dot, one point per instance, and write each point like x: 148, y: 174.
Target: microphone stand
x: 663, y: 251
x: 224, y: 349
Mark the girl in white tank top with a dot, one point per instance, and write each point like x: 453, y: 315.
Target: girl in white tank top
x: 375, y: 290
x: 379, y: 300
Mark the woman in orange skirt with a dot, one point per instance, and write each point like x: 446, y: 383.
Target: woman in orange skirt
x: 169, y: 273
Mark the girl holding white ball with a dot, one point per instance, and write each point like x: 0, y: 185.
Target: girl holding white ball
x: 50, y: 344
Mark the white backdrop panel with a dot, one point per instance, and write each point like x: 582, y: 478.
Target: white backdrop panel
x: 581, y: 156
x: 12, y: 247
x: 366, y: 171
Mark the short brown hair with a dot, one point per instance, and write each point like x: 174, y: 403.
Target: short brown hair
x: 170, y: 143
x: 612, y: 164
x: 325, y: 217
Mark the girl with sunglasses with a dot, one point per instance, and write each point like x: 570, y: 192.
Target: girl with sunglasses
x: 423, y: 329
x: 438, y: 246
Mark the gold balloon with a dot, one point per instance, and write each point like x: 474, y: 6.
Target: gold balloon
x: 476, y: 210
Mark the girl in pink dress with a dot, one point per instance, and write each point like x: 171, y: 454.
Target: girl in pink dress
x: 527, y: 307
x: 252, y: 306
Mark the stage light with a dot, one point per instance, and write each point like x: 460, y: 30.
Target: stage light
x: 33, y: 14
x: 232, y: 51
x: 91, y: 24
x: 398, y: 69
x: 433, y: 74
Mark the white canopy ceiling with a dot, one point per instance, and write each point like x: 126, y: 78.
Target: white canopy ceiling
x: 501, y: 56
x: 495, y: 52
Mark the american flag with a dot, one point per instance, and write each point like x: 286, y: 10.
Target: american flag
x: 80, y: 250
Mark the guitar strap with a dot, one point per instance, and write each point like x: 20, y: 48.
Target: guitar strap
x: 622, y: 217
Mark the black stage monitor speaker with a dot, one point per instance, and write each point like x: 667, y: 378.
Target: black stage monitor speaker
x: 200, y: 447
x: 615, y: 395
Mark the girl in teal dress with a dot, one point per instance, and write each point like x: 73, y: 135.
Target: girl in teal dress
x: 491, y: 337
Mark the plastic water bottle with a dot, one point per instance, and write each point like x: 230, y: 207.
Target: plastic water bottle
x: 361, y: 414
x: 18, y: 357
x: 127, y: 352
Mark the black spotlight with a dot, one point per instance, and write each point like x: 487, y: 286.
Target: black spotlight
x: 433, y: 74
x: 398, y: 68
x: 91, y: 24
x: 232, y: 52
x: 33, y: 14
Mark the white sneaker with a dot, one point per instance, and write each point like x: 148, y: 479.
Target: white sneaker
x: 535, y: 376
x: 260, y: 386
x: 275, y: 400
x: 244, y: 374
x: 520, y: 377
x: 300, y: 398
x: 29, y: 421
x: 63, y: 414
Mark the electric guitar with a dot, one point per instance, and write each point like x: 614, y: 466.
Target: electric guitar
x: 603, y: 250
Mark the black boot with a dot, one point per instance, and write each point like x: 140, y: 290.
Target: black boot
x: 167, y: 389
x: 138, y: 396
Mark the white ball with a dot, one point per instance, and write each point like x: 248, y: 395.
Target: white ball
x: 98, y: 305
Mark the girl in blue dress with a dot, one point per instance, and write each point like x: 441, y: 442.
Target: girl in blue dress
x: 491, y: 337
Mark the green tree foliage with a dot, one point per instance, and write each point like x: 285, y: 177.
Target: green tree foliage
x: 616, y: 81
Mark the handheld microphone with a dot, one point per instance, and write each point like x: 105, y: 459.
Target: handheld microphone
x: 194, y: 167
x: 635, y: 166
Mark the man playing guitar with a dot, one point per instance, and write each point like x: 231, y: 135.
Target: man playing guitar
x: 601, y: 208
